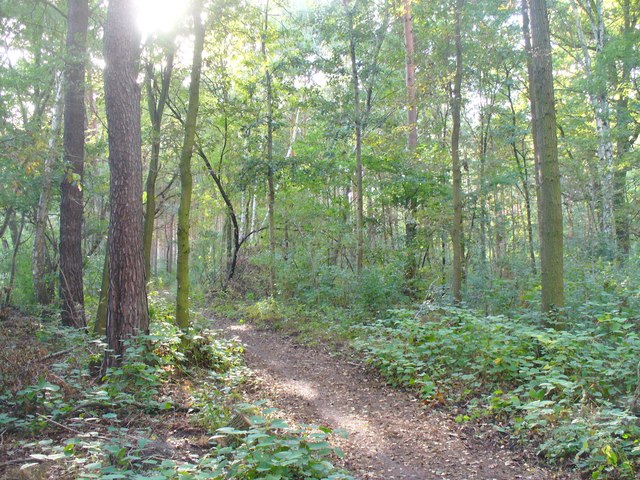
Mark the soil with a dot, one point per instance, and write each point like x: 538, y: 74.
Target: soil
x: 392, y: 435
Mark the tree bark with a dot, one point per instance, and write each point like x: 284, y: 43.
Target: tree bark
x: 71, y: 202
x: 127, y: 312
x: 186, y: 180
x: 550, y: 201
x: 456, y: 106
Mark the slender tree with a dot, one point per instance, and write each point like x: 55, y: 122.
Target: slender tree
x: 71, y: 202
x: 271, y: 189
x: 156, y: 101
x: 626, y: 136
x: 598, y: 97
x: 42, y: 267
x: 456, y: 107
x: 412, y: 132
x: 127, y: 311
x: 357, y: 123
x: 186, y: 179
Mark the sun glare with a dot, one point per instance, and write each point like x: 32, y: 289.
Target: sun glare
x: 160, y: 16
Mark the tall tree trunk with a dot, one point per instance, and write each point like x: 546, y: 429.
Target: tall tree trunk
x: 456, y: 106
x: 483, y: 145
x: 624, y: 138
x: 71, y: 202
x: 357, y: 119
x: 42, y: 269
x: 550, y: 201
x: 271, y: 190
x: 526, y: 33
x: 128, y: 313
x: 186, y: 181
x: 169, y: 236
x: 412, y: 135
x: 156, y: 110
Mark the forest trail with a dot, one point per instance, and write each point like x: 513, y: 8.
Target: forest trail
x: 391, y: 435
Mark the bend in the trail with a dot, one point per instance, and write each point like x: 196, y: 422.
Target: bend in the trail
x: 391, y: 435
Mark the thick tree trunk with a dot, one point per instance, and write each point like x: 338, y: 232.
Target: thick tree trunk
x: 42, y: 268
x: 71, y: 202
x: 186, y: 180
x: 357, y: 119
x: 156, y: 111
x: 550, y: 201
x: 456, y: 106
x: 128, y: 313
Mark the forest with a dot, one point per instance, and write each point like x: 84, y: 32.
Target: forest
x: 332, y: 239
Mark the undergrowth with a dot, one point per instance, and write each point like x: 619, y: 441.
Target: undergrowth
x: 566, y: 390
x: 163, y: 414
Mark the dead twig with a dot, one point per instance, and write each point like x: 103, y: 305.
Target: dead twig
x: 17, y: 460
x: 59, y: 354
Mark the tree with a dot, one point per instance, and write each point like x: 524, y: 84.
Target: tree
x: 42, y: 265
x: 412, y: 134
x: 186, y: 179
x: 546, y: 152
x: 357, y: 123
x: 127, y: 313
x: 71, y: 201
x: 456, y: 106
x: 626, y: 134
x: 271, y: 189
x: 156, y: 101
x: 598, y: 97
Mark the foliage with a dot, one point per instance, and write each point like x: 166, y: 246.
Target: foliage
x: 112, y: 428
x: 271, y: 449
x: 568, y: 390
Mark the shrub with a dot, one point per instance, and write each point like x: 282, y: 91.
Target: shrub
x: 567, y: 390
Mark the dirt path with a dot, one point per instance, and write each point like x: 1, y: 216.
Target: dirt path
x: 391, y: 436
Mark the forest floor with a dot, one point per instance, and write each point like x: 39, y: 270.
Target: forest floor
x: 392, y: 435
